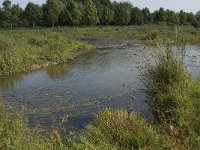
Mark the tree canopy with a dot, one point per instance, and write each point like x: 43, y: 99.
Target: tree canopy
x: 89, y: 12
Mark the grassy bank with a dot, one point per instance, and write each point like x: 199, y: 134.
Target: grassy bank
x: 140, y: 33
x: 25, y: 50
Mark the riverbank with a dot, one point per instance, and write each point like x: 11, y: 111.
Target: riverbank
x: 24, y: 50
x: 28, y: 50
x: 187, y: 34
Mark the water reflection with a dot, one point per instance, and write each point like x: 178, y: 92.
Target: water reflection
x: 9, y: 82
x: 59, y: 71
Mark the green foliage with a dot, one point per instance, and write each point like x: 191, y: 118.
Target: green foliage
x: 171, y: 96
x: 159, y: 16
x: 137, y: 17
x: 72, y: 14
x: 89, y: 12
x: 51, y: 11
x: 147, y: 16
x: 107, y: 16
x: 33, y: 13
x: 90, y: 16
x: 122, y: 13
x: 168, y: 72
x: 120, y: 129
x: 197, y: 15
x: 182, y: 17
x: 171, y: 17
x: 6, y: 14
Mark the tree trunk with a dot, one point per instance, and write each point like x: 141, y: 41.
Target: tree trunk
x: 53, y: 24
x: 11, y: 26
x: 33, y: 25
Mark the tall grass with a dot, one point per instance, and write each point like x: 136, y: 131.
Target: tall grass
x: 173, y: 98
x: 14, y: 135
x: 120, y: 129
x: 22, y: 51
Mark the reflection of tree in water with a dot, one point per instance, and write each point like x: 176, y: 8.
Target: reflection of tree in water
x: 8, y: 82
x: 81, y: 64
x: 94, y: 60
x: 59, y: 71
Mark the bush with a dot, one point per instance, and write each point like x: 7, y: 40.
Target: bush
x: 169, y: 93
x: 120, y: 129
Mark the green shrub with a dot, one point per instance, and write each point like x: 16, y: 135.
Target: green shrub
x: 172, y: 100
x: 122, y: 130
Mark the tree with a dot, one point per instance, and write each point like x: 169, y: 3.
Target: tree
x: 15, y: 15
x: 90, y: 16
x: 6, y: 14
x: 99, y: 3
x: 6, y: 5
x: 103, y: 8
x: 182, y: 18
x: 197, y: 15
x: 191, y: 18
x: 107, y: 16
x: 160, y: 16
x: 33, y: 13
x: 122, y: 13
x: 147, y: 17
x: 171, y: 17
x: 51, y: 11
x: 1, y: 17
x: 137, y: 17
x: 72, y: 14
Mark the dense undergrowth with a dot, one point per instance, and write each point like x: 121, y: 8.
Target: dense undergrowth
x: 25, y: 50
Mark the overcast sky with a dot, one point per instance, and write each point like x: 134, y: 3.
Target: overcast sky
x: 176, y: 5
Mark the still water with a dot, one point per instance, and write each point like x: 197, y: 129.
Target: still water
x: 102, y: 79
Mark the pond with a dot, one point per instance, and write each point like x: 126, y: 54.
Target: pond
x: 106, y: 78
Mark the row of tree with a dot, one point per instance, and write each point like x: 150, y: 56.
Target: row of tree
x: 89, y: 12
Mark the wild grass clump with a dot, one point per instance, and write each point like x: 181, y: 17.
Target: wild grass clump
x: 164, y: 80
x: 120, y: 129
x: 153, y: 35
x: 172, y: 98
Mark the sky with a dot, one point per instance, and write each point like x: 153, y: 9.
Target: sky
x: 176, y: 5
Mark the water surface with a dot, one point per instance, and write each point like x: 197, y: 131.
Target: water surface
x: 102, y: 79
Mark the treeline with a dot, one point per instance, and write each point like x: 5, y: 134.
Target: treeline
x: 89, y: 12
